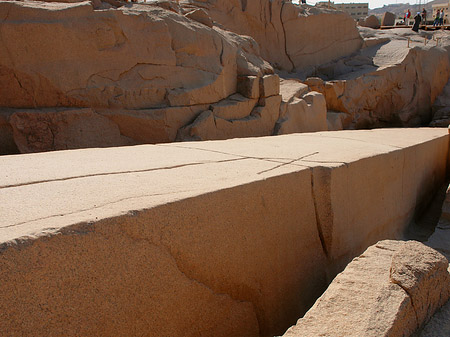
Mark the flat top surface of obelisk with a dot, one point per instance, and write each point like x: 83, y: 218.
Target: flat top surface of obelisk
x: 42, y: 192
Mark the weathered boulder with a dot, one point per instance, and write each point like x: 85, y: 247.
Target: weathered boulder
x: 392, y: 289
x: 290, y: 36
x: 371, y: 21
x: 388, y: 19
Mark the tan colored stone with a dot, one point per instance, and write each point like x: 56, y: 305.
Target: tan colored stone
x: 269, y: 85
x: 422, y: 273
x: 373, y: 297
x: 400, y: 92
x: 182, y: 60
x: 318, y: 46
x: 249, y: 63
x: 305, y: 114
x: 371, y: 21
x: 292, y: 88
x: 153, y: 125
x: 261, y: 122
x: 214, y: 229
x: 373, y: 41
x: 234, y: 107
x: 201, y: 16
x: 275, y: 25
x: 388, y: 19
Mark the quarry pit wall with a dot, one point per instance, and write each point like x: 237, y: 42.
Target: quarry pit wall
x: 222, y: 238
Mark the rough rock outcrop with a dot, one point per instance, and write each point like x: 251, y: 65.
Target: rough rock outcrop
x: 388, y: 19
x: 396, y: 93
x: 263, y: 108
x: 116, y: 69
x: 239, y: 116
x: 117, y: 89
x: 290, y: 36
x: 370, y: 21
x: 301, y: 110
x: 392, y: 289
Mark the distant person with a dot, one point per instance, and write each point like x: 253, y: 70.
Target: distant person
x: 437, y: 18
x: 441, y: 19
x: 417, y: 20
x: 424, y: 16
x: 408, y: 16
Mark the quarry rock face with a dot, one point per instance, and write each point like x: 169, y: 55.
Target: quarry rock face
x: 116, y: 69
x: 397, y: 93
x: 289, y: 36
x: 392, y: 289
x: 118, y: 90
x: 134, y: 91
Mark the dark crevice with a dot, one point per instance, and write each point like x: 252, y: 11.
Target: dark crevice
x: 318, y: 222
x: 121, y: 172
x: 285, y: 38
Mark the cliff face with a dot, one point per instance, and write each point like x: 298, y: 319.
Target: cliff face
x: 290, y: 37
x: 388, y: 84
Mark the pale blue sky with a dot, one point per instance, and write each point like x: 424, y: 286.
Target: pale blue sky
x: 372, y: 3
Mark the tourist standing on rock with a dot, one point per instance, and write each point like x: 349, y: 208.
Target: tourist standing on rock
x: 424, y: 16
x: 407, y: 16
x: 441, y: 20
x: 417, y: 20
x: 437, y: 18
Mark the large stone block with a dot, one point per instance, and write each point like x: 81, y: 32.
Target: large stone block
x: 371, y: 22
x: 223, y: 238
x: 388, y: 19
x: 269, y: 85
x: 392, y: 289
